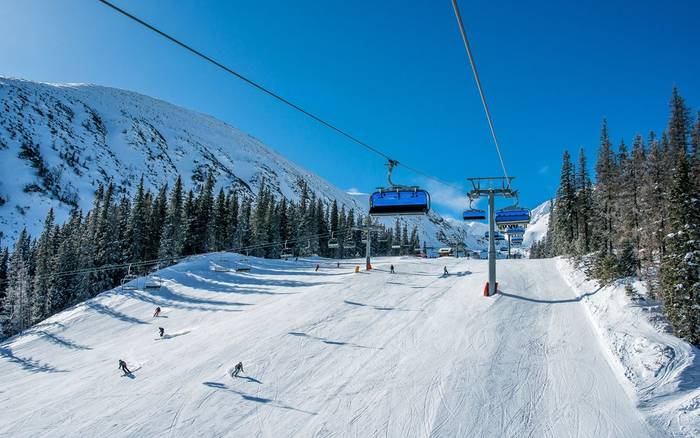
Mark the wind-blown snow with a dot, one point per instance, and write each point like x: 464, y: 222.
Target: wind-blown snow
x: 324, y: 353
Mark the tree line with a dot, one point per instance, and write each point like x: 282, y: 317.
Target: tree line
x: 640, y: 218
x: 93, y: 251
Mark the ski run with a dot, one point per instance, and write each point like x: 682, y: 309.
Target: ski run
x: 338, y: 353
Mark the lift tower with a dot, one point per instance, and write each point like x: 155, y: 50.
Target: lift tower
x: 491, y: 187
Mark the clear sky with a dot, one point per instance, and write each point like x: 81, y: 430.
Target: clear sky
x: 394, y: 73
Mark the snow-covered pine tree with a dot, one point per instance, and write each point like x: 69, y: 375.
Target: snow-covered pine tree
x: 679, y: 126
x: 695, y: 153
x: 605, y: 193
x: 4, y: 257
x: 67, y: 260
x: 584, y: 205
x: 43, y: 281
x: 17, y: 315
x: 680, y: 266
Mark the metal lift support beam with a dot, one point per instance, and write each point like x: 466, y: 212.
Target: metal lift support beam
x: 491, y: 187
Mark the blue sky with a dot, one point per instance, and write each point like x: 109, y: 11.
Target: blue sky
x: 393, y: 73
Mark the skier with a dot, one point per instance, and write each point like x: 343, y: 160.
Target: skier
x: 161, y: 330
x: 317, y: 266
x: 391, y: 269
x: 122, y: 366
x: 237, y: 369
x: 156, y: 314
x: 339, y: 264
x: 444, y: 271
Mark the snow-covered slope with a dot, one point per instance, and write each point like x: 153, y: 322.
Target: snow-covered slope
x: 663, y: 369
x: 327, y: 353
x: 58, y: 142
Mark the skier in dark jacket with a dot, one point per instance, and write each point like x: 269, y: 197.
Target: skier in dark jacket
x: 156, y: 314
x: 122, y: 366
x: 317, y: 266
x: 237, y: 369
x: 161, y: 330
x: 444, y: 271
x: 391, y: 269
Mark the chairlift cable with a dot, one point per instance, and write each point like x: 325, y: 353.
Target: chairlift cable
x: 269, y: 92
x: 458, y: 15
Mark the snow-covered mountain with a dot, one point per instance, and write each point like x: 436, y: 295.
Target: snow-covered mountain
x: 539, y: 220
x: 58, y: 142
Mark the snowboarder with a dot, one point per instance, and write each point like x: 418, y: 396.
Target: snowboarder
x: 444, y: 271
x: 156, y: 314
x: 122, y: 366
x: 317, y: 266
x: 391, y: 269
x: 237, y: 369
x: 161, y: 330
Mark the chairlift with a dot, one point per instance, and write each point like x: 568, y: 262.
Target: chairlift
x: 128, y: 278
x: 333, y: 242
x: 220, y: 265
x: 152, y: 283
x: 515, y: 231
x: 473, y: 214
x: 286, y: 252
x: 513, y: 215
x: 383, y: 238
x: 398, y: 200
x: 395, y: 246
x: 349, y: 244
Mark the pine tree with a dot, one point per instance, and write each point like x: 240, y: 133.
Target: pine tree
x: 157, y: 217
x: 172, y: 239
x: 680, y: 277
x: 67, y: 260
x: 232, y: 220
x: 695, y: 153
x: 19, y: 288
x: 565, y: 226
x: 201, y: 226
x: 4, y: 257
x: 42, y: 281
x: 138, y: 225
x: 678, y: 126
x: 584, y: 205
x: 189, y: 211
x: 220, y: 222
x: 606, y: 178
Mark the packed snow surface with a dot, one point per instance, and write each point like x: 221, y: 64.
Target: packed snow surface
x: 325, y: 353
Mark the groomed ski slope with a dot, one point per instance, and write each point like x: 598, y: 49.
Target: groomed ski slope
x: 327, y: 353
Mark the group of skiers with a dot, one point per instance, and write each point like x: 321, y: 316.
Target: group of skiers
x: 239, y: 366
x: 161, y: 331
